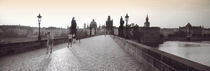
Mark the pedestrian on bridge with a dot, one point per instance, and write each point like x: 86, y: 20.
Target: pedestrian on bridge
x: 78, y: 36
x: 50, y: 41
x: 70, y: 40
x: 74, y: 38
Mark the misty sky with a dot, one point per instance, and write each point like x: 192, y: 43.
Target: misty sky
x: 59, y: 13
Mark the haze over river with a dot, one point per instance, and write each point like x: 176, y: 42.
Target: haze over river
x: 194, y: 51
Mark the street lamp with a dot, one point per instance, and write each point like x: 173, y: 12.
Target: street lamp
x: 126, y: 19
x: 39, y: 20
x: 126, y: 26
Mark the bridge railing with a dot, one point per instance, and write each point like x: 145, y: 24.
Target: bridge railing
x: 162, y: 60
x: 12, y: 48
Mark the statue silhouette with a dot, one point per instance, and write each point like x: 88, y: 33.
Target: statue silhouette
x: 94, y: 26
x: 73, y: 27
x: 109, y: 26
x: 121, y: 27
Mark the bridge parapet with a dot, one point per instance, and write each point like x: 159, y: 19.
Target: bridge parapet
x: 161, y: 60
x: 12, y: 48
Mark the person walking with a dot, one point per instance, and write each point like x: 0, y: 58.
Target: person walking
x: 74, y: 37
x: 78, y: 37
x: 50, y: 41
x: 70, y: 40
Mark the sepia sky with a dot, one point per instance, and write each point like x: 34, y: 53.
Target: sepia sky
x: 59, y: 13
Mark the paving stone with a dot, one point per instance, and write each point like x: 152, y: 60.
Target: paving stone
x: 98, y: 53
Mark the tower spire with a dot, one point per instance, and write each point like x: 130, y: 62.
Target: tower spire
x: 147, y: 23
x: 147, y: 18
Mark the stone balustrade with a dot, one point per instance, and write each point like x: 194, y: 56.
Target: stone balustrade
x: 13, y: 48
x: 161, y: 60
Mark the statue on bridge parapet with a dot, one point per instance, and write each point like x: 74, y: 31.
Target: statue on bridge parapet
x: 109, y: 26
x: 93, y: 25
x: 73, y: 28
x: 121, y: 27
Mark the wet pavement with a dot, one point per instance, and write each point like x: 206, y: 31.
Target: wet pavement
x: 99, y: 53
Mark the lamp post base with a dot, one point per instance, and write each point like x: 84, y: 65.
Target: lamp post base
x: 39, y: 38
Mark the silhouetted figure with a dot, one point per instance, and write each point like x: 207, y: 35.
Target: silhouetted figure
x: 79, y: 37
x: 73, y: 27
x: 74, y: 38
x: 78, y: 34
x: 90, y: 30
x: 109, y: 26
x: 94, y: 26
x: 50, y: 40
x: 121, y: 27
x: 70, y: 38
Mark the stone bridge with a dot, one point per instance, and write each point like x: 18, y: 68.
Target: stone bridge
x: 99, y: 53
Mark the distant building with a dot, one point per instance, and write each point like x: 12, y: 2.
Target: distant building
x: 149, y: 35
x: 53, y: 30
x: 192, y: 31
x: 168, y: 31
x: 147, y: 23
x: 206, y: 32
x: 84, y: 26
x: 15, y: 31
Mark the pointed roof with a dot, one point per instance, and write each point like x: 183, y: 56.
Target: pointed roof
x: 147, y: 18
x: 109, y: 18
x: 188, y: 25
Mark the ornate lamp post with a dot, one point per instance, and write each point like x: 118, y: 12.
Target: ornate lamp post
x: 39, y: 20
x: 126, y: 26
x: 126, y: 19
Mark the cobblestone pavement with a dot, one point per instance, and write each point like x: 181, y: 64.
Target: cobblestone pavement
x: 98, y: 53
